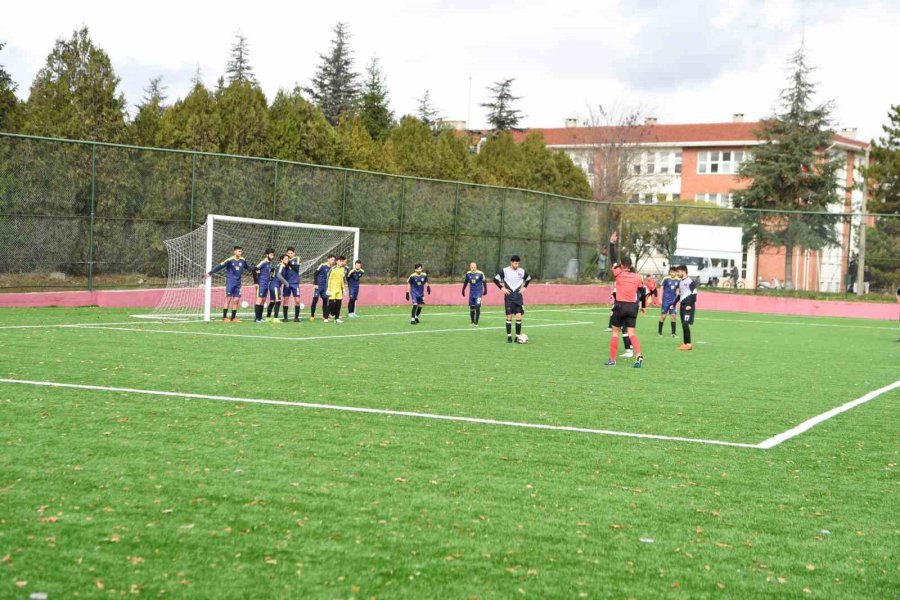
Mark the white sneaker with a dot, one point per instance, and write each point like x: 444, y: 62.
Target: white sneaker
x: 352, y: 315
x: 338, y: 321
x: 324, y: 320
x: 628, y: 353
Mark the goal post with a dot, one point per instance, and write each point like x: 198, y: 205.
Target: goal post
x: 189, y: 294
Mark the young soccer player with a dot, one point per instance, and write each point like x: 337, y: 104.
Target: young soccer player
x: 234, y: 272
x: 353, y: 278
x: 321, y: 286
x: 513, y: 280
x: 337, y: 279
x: 669, y: 299
x: 416, y: 286
x: 277, y: 283
x: 687, y: 295
x: 626, y: 338
x: 292, y: 288
x: 262, y: 273
x: 628, y: 285
x: 477, y: 289
x: 652, y: 290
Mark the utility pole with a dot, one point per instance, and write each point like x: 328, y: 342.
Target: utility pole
x: 860, y: 274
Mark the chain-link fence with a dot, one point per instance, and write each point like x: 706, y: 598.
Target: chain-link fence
x: 83, y: 215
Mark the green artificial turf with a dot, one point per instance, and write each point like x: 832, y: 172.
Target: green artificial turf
x: 109, y: 493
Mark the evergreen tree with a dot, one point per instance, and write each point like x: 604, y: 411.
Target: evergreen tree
x: 193, y: 123
x: 376, y: 115
x: 427, y: 113
x: 238, y: 68
x: 501, y: 115
x: 10, y: 107
x: 299, y: 131
x: 884, y: 170
x: 145, y: 128
x: 790, y: 170
x: 454, y: 161
x: 74, y: 94
x: 413, y: 149
x: 334, y: 87
x: 358, y: 150
x: 243, y: 118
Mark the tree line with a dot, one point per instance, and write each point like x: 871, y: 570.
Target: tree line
x: 342, y: 118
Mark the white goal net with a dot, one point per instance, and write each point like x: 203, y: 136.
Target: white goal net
x: 190, y: 295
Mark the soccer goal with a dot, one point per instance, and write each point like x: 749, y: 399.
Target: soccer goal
x: 189, y: 294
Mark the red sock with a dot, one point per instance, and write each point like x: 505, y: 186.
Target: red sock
x: 613, y: 347
x: 635, y: 344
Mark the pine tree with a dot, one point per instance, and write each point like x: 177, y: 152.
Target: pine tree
x: 145, y: 129
x: 243, y: 118
x: 884, y: 172
x: 74, y: 94
x: 377, y: 117
x: 238, y: 68
x: 791, y: 170
x: 193, y: 122
x: 10, y: 107
x: 427, y: 113
x: 501, y: 115
x: 334, y: 87
x: 299, y: 131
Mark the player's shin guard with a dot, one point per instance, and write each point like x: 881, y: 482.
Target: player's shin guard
x: 312, y: 306
x: 477, y: 315
x: 224, y: 313
x: 518, y: 327
x: 508, y: 328
x: 233, y: 314
x: 686, y: 329
x: 351, y: 306
x: 325, y: 312
x: 284, y: 310
x: 660, y: 327
x: 269, y: 308
x: 418, y: 310
x: 334, y: 308
x: 472, y: 315
x: 412, y: 313
x: 259, y: 312
x: 626, y: 340
x: 277, y: 308
x: 672, y: 323
x: 613, y: 347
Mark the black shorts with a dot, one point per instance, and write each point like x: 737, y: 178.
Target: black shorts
x: 514, y: 303
x: 687, y: 316
x: 624, y: 314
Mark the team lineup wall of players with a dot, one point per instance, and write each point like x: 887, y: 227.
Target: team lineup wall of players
x: 278, y: 290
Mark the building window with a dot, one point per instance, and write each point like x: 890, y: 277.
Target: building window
x: 663, y: 159
x: 723, y: 200
x: 676, y: 196
x: 651, y: 165
x: 720, y: 162
x: 635, y: 198
x: 636, y: 168
x: 678, y: 162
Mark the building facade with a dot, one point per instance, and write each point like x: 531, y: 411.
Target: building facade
x: 654, y: 163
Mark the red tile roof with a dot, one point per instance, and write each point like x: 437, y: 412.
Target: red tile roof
x: 654, y: 134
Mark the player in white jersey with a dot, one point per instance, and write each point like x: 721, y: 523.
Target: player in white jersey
x: 513, y: 280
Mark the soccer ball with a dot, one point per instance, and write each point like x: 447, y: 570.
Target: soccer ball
x: 302, y: 306
x: 245, y: 304
x: 522, y: 339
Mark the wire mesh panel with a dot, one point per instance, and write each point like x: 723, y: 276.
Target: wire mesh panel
x: 562, y: 219
x: 378, y: 253
x: 522, y: 213
x: 482, y: 249
x: 429, y: 206
x: 528, y: 250
x: 373, y: 201
x: 309, y: 194
x: 479, y: 210
x: 433, y: 252
x: 233, y: 186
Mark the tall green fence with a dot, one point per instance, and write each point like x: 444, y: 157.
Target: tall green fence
x: 90, y: 215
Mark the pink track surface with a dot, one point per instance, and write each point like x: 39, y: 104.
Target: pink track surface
x: 386, y: 295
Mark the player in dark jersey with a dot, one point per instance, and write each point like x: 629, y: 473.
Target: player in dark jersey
x: 291, y: 290
x: 263, y: 273
x: 320, y: 279
x: 353, y: 278
x: 276, y: 284
x: 477, y: 285
x: 234, y: 267
x: 669, y: 299
x: 687, y: 296
x: 416, y: 286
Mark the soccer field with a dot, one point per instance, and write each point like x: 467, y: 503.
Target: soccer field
x: 378, y: 459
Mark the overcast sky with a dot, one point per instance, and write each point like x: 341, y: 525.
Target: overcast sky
x: 680, y: 61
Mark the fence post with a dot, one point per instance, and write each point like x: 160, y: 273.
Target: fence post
x: 275, y: 196
x: 400, y: 231
x: 673, y: 236
x: 754, y: 284
x: 861, y: 261
x: 454, y: 241
x: 344, y: 199
x: 543, y: 231
x: 193, y: 186
x: 579, y: 221
x: 91, y: 224
x: 500, y: 238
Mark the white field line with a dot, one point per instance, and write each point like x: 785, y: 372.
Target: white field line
x: 593, y: 311
x: 810, y: 423
x: 376, y: 411
x: 326, y: 337
x: 77, y: 325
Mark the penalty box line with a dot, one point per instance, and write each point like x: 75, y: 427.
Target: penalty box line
x: 325, y: 337
x: 375, y: 411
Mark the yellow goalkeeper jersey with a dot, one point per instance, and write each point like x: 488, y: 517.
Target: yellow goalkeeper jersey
x: 336, y: 278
